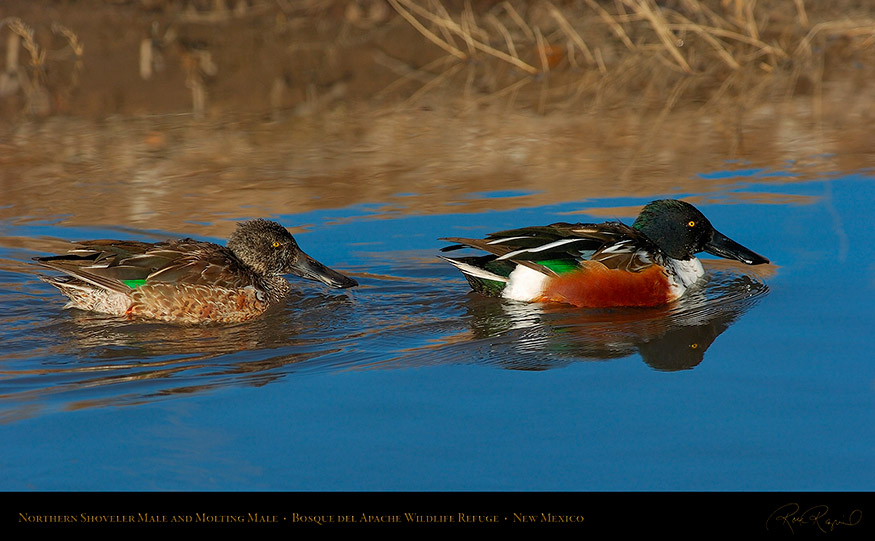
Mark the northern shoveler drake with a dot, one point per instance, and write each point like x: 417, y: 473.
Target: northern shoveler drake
x: 651, y: 263
x: 188, y: 281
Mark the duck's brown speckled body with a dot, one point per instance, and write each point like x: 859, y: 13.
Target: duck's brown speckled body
x: 187, y: 281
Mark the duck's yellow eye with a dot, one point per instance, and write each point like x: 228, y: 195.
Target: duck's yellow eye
x: 276, y: 244
x: 691, y: 223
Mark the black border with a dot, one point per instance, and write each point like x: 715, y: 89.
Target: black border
x: 825, y: 514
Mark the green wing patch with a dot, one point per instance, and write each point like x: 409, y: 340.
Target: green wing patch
x: 560, y: 266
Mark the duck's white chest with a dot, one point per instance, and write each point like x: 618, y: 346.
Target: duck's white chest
x: 683, y: 274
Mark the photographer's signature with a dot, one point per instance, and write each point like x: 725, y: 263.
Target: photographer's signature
x: 792, y: 515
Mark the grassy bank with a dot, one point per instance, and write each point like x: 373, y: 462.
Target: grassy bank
x: 286, y: 57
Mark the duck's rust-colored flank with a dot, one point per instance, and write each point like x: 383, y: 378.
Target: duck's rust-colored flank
x: 596, y: 286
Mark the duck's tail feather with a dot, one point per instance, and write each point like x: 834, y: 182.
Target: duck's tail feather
x: 484, y: 274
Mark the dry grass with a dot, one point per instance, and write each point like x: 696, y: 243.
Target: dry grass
x: 29, y: 76
x: 639, y: 53
x: 546, y: 55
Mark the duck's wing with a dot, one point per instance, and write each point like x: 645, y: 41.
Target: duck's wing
x: 622, y: 248
x: 560, y: 247
x: 196, y: 262
x: 123, y: 265
x: 102, y: 263
x: 547, y: 249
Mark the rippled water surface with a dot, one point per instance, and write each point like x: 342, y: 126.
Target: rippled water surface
x: 760, y: 379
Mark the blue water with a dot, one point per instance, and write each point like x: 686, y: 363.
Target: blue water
x: 764, y: 381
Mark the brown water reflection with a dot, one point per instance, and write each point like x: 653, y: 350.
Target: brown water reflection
x: 413, y: 162
x: 299, y: 117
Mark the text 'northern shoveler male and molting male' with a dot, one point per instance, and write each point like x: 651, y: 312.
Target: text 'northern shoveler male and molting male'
x: 188, y: 281
x: 604, y: 265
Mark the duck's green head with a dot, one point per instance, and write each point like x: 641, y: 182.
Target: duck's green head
x: 681, y: 231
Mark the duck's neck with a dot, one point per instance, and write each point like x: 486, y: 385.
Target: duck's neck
x: 275, y: 288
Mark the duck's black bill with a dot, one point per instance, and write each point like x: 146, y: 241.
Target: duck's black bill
x: 723, y: 246
x: 309, y: 268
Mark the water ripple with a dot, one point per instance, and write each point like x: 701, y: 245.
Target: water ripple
x: 417, y: 313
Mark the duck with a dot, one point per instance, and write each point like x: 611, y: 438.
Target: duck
x: 187, y: 280
x: 650, y: 263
